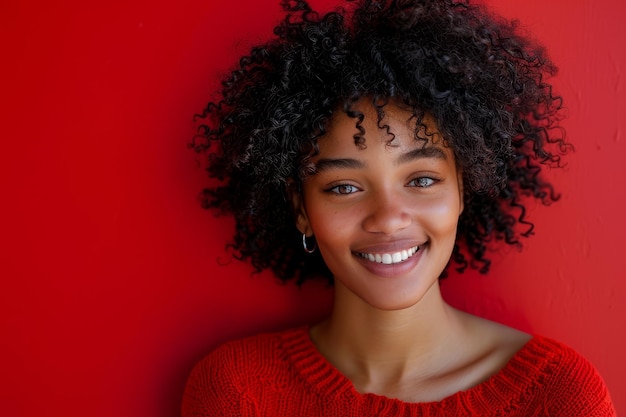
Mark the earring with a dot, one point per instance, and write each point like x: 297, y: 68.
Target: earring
x: 306, y: 249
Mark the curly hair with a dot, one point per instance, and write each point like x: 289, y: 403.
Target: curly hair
x: 483, y: 82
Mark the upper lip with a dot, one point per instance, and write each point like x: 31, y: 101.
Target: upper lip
x: 389, y: 247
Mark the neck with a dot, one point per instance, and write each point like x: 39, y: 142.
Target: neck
x: 372, y: 344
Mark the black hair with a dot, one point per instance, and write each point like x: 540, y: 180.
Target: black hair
x: 483, y: 82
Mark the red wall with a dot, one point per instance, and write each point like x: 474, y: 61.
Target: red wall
x: 112, y: 282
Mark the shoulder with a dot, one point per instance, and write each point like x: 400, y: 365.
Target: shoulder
x: 250, y: 354
x: 543, y: 374
x: 240, y: 360
x: 568, y: 381
x: 226, y: 377
x: 560, y: 360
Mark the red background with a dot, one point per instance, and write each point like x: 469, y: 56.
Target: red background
x: 112, y: 284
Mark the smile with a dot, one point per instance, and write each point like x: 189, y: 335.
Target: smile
x: 390, y: 258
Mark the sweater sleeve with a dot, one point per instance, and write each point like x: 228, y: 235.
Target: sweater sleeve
x: 577, y: 389
x: 216, y: 388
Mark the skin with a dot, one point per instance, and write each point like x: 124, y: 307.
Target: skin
x: 390, y: 332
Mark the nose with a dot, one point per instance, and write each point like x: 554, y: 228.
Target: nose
x: 386, y: 214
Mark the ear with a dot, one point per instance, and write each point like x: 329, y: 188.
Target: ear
x: 299, y: 209
x: 461, y: 191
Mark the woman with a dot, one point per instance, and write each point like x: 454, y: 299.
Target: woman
x: 387, y: 138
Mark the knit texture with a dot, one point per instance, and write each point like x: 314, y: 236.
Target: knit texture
x: 283, y: 374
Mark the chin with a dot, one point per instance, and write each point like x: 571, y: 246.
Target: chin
x: 400, y: 298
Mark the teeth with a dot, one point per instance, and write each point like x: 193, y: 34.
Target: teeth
x: 390, y: 258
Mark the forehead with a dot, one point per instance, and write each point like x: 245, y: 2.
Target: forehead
x: 391, y: 126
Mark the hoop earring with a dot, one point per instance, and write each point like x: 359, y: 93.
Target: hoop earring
x: 304, y: 245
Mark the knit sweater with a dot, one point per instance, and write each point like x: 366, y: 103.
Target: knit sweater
x: 283, y: 374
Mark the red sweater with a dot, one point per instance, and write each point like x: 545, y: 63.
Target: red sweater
x: 283, y: 374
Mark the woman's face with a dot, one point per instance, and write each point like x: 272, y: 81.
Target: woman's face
x: 384, y: 216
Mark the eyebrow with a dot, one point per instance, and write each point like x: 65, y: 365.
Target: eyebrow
x: 429, y: 152
x: 325, y: 164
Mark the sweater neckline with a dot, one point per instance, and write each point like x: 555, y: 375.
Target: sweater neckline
x: 523, y: 374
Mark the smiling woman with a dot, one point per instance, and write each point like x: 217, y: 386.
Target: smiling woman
x: 384, y: 213
x: 388, y: 138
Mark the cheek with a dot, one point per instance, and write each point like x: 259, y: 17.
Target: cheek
x: 334, y: 233
x: 330, y: 224
x: 441, y: 215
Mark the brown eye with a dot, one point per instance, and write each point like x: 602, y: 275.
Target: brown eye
x: 344, y: 189
x: 422, y: 182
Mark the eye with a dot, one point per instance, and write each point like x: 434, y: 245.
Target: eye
x: 422, y: 182
x: 343, y: 189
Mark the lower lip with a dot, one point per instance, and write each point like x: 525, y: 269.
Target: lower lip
x: 391, y: 270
